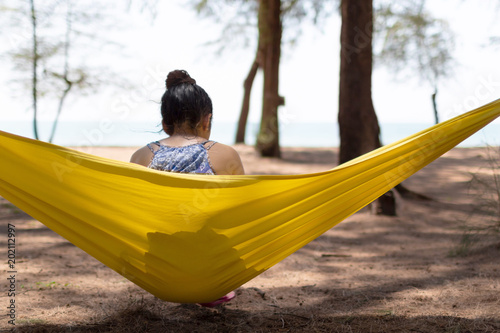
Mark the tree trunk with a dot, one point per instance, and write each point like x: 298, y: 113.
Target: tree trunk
x: 65, y: 76
x: 434, y: 106
x: 34, y: 79
x: 358, y: 123
x: 270, y: 31
x: 245, y: 106
x: 59, y: 110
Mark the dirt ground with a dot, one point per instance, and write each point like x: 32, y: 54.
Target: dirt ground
x: 411, y: 273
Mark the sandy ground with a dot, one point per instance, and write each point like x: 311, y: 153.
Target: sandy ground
x: 410, y: 273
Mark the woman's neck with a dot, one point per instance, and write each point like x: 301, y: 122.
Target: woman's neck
x: 182, y: 138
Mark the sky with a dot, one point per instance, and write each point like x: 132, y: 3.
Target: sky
x: 176, y: 37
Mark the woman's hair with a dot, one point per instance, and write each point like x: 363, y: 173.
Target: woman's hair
x: 184, y: 103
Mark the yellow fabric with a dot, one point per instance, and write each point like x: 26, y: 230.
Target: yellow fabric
x: 193, y: 238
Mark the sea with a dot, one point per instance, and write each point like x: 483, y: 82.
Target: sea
x: 135, y: 134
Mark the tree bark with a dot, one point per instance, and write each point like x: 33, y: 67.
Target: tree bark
x: 270, y: 32
x: 358, y: 123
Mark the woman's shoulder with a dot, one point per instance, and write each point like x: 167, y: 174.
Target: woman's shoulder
x: 225, y: 160
x: 223, y: 149
x: 142, y: 156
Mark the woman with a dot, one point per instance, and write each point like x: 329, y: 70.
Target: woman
x: 186, y: 111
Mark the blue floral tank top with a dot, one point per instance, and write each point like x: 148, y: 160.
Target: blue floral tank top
x: 186, y: 159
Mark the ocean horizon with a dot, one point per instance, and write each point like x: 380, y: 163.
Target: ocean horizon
x: 135, y: 134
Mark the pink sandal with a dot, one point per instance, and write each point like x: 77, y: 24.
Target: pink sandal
x: 222, y: 300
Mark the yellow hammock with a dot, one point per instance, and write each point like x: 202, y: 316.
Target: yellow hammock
x: 194, y: 238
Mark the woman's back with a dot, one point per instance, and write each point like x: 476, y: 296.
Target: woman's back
x: 206, y: 157
x: 192, y: 158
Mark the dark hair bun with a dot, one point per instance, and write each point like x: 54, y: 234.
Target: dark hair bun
x: 177, y: 77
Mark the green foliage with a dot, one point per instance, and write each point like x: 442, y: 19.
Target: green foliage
x: 409, y: 39
x: 64, y: 30
x: 149, y: 6
x: 238, y: 19
x: 51, y: 44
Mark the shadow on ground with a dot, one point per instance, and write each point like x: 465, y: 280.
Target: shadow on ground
x: 191, y: 318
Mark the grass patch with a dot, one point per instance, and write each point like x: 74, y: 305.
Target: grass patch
x: 30, y: 321
x: 485, y: 187
x: 465, y: 245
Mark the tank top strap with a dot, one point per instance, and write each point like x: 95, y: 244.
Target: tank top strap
x: 153, y: 150
x: 210, y: 145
